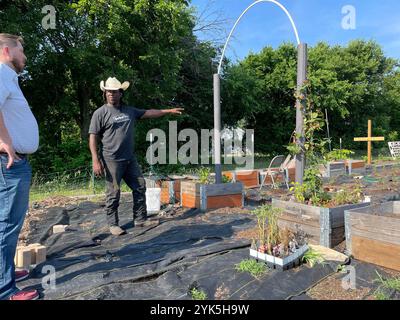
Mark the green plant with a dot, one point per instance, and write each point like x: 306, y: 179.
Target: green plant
x: 311, y: 191
x: 226, y: 179
x: 313, y: 121
x: 198, y: 294
x: 348, y: 197
x: 256, y: 269
x: 312, y: 257
x: 380, y: 295
x: 390, y: 283
x: 341, y: 154
x: 268, y: 234
x: 386, y: 284
x: 204, y: 175
x: 341, y: 269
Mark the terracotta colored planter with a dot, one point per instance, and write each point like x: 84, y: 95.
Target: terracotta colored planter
x: 211, y: 196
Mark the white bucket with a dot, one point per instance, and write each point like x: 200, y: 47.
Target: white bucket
x: 153, y: 199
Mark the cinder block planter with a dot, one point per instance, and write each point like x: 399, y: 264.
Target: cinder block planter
x: 355, y: 166
x: 211, y: 196
x: 249, y: 178
x: 383, y: 166
x: 373, y: 234
x: 333, y: 169
x: 286, y: 263
x: 323, y: 226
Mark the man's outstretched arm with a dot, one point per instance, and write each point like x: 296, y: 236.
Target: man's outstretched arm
x: 154, y: 113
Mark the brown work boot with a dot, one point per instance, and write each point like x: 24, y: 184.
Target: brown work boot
x: 116, y: 230
x: 147, y: 223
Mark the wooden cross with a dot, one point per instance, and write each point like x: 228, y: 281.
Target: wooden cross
x: 369, y: 139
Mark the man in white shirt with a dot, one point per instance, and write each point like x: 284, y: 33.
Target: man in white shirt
x: 19, y: 136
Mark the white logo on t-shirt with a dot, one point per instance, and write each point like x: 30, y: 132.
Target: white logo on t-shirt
x: 122, y: 118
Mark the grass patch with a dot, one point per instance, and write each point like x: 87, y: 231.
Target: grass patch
x: 198, y: 294
x: 391, y: 283
x: 312, y: 257
x: 385, y: 285
x: 256, y: 269
x: 43, y: 192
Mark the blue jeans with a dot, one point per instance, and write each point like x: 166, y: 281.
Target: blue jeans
x: 14, y: 202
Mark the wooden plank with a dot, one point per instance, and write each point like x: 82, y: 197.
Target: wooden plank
x: 223, y: 189
x: 190, y: 201
x: 248, y: 178
x: 376, y: 252
x: 292, y: 174
x: 214, y: 202
x: 297, y: 208
x: 177, y: 190
x: 337, y: 165
x: 379, y: 228
x: 312, y: 232
x: 357, y: 164
x: 300, y: 220
x: 337, y: 213
x: 190, y: 187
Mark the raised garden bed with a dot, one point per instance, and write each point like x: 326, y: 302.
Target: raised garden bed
x: 249, y: 178
x: 324, y: 226
x: 355, y: 166
x: 333, y: 169
x: 211, y: 196
x: 171, y: 190
x: 373, y: 234
x: 291, y: 261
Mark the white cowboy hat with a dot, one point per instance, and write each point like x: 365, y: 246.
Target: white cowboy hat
x: 113, y: 84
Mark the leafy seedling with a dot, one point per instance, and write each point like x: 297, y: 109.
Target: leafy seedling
x: 256, y: 269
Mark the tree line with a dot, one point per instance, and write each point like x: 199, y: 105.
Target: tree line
x: 152, y: 44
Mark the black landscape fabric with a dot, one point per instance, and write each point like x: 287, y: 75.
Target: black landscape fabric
x: 190, y: 250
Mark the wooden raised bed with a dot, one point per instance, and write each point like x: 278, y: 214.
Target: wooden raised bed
x: 249, y: 178
x: 333, y: 169
x: 373, y: 234
x: 171, y: 190
x: 323, y: 226
x: 355, y: 166
x: 211, y: 196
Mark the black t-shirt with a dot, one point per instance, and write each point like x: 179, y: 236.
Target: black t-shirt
x: 115, y: 127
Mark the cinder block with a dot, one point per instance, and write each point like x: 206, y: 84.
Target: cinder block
x: 59, y: 228
x: 16, y: 254
x: 38, y: 253
x: 24, y: 258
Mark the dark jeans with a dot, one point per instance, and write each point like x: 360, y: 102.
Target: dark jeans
x: 14, y: 201
x: 131, y: 173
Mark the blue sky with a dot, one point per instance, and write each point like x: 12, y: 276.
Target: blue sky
x: 316, y: 20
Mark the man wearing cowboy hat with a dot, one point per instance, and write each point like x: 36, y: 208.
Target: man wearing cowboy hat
x: 113, y: 124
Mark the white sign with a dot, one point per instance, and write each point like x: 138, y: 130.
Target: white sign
x: 394, y: 148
